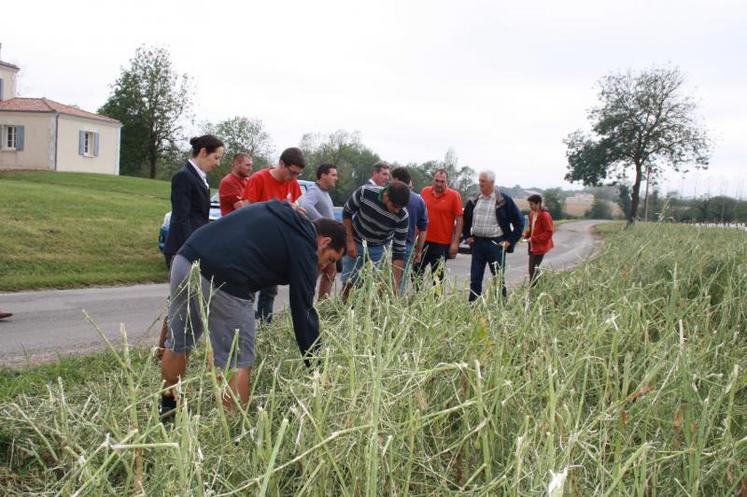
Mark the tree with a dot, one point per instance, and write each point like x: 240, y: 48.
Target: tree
x: 343, y: 149
x: 240, y: 134
x: 461, y: 178
x: 150, y: 99
x: 645, y: 122
x: 552, y: 200
x: 740, y: 212
x: 599, y: 209
x: 623, y: 198
x: 718, y: 209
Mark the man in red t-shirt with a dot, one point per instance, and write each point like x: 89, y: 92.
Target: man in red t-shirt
x: 444, y: 224
x: 280, y: 183
x: 232, y: 185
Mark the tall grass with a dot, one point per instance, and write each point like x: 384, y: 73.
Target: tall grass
x: 625, y: 377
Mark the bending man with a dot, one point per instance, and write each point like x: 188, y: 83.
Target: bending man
x: 257, y: 246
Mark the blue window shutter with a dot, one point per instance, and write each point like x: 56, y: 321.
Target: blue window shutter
x: 19, y: 137
x: 81, y: 142
x: 95, y: 144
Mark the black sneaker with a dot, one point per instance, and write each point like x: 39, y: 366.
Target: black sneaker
x: 167, y: 409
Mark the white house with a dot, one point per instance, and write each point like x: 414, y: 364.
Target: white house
x: 38, y: 133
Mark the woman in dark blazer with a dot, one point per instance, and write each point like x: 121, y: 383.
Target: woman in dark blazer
x: 190, y: 201
x: 190, y: 193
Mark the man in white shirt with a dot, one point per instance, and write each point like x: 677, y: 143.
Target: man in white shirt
x: 380, y: 174
x: 492, y: 226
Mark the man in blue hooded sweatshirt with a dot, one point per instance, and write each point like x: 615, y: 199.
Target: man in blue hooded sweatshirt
x: 264, y: 244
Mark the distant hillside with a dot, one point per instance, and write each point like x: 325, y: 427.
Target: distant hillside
x: 577, y: 202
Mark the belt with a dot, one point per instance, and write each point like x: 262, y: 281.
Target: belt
x: 491, y: 238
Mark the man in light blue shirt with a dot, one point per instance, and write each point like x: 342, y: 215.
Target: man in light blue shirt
x: 418, y: 216
x: 318, y: 204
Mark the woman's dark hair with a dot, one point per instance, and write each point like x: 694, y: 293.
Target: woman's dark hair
x: 324, y: 169
x: 535, y: 199
x: 399, y: 193
x: 401, y: 174
x: 332, y: 229
x: 209, y: 142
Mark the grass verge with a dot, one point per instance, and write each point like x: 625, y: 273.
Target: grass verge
x: 65, y: 230
x: 625, y: 377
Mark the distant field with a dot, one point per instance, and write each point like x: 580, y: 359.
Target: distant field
x: 575, y: 207
x: 63, y: 230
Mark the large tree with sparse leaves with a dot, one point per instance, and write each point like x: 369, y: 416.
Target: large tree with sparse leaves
x: 345, y: 150
x: 240, y: 135
x: 151, y: 100
x: 644, y: 123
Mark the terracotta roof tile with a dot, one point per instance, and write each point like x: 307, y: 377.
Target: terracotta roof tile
x: 21, y: 104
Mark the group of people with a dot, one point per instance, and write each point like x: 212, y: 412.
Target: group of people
x: 270, y: 235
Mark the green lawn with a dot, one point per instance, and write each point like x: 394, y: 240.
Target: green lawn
x: 63, y: 230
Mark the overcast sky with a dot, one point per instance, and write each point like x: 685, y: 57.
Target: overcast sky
x: 500, y: 82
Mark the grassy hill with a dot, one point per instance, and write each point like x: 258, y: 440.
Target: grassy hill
x: 63, y: 230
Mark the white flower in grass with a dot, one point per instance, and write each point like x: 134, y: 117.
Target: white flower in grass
x: 555, y: 488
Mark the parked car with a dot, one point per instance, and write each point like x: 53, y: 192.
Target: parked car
x: 215, y: 213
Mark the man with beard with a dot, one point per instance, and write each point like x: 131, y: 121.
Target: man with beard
x: 232, y: 185
x: 444, y: 207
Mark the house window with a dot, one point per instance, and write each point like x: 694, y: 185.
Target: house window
x: 88, y: 143
x: 10, y: 135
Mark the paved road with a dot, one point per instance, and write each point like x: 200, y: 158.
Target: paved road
x: 49, y: 323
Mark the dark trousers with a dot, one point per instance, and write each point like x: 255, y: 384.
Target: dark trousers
x: 265, y: 301
x: 486, y: 251
x: 534, y: 261
x: 434, y: 255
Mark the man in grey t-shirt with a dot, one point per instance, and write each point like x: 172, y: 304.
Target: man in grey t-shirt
x: 316, y: 201
x: 318, y: 204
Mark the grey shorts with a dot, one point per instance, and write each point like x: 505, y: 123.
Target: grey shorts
x: 227, y: 315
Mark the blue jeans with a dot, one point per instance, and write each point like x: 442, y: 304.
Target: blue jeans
x: 406, y: 268
x: 486, y: 251
x: 265, y: 301
x: 351, y: 266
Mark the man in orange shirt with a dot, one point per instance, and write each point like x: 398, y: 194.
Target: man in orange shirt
x: 280, y: 183
x: 444, y: 225
x: 231, y: 189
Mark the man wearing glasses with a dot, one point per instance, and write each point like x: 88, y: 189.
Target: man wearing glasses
x: 279, y: 183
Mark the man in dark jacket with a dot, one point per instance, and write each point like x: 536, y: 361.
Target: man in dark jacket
x: 492, y: 226
x: 263, y: 244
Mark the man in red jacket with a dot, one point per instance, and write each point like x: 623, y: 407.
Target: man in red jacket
x: 539, y: 235
x: 232, y: 185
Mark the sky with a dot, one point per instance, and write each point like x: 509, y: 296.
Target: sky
x: 502, y: 83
